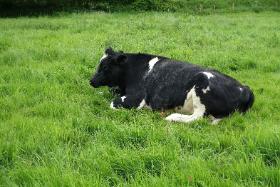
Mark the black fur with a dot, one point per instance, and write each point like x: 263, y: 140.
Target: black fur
x: 168, y: 83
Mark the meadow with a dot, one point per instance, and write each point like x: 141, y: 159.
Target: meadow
x: 56, y: 130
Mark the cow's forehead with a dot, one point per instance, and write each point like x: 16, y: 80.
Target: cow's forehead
x: 103, y: 57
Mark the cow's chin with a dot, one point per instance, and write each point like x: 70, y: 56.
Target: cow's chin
x: 95, y: 84
x: 111, y: 85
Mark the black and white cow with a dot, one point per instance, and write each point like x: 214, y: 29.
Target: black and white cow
x: 160, y: 83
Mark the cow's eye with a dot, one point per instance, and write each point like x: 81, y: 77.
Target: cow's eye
x: 106, y: 68
x: 103, y: 67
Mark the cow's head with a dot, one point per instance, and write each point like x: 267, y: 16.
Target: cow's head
x: 110, y: 69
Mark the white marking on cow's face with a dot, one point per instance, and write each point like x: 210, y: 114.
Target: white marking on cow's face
x: 112, y: 105
x: 123, y: 98
x: 103, y: 57
x: 208, y: 74
x: 198, y: 109
x: 206, y: 89
x: 241, y: 89
x: 152, y: 62
x: 142, y: 104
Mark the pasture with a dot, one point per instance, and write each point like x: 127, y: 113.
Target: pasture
x: 56, y: 130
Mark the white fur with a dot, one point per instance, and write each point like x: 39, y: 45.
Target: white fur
x: 241, y: 89
x: 188, y: 105
x: 123, y: 98
x: 206, y: 89
x: 112, y: 105
x: 103, y: 57
x: 208, y: 74
x: 152, y: 62
x: 198, y: 109
x: 215, y: 121
x: 142, y: 104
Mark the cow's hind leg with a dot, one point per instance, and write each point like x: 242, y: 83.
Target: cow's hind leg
x: 198, y: 109
x: 176, y: 117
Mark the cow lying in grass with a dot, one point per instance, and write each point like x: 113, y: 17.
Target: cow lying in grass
x: 160, y: 83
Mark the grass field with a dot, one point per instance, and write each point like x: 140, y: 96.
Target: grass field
x: 55, y: 130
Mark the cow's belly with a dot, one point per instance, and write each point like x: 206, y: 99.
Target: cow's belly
x: 163, y: 97
x: 185, y: 108
x: 168, y: 89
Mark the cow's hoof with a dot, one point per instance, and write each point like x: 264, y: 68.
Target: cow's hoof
x: 174, y: 117
x: 112, y: 105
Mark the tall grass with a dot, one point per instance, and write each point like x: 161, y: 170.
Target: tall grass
x: 55, y: 130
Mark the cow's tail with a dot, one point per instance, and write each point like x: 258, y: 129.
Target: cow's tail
x: 247, y: 98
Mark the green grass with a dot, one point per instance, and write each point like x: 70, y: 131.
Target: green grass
x: 55, y: 130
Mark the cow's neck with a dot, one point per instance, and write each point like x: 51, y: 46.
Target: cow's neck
x: 135, y: 69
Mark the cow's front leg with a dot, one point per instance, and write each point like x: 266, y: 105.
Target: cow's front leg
x: 128, y: 101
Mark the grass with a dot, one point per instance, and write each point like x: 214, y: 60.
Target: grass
x: 55, y: 130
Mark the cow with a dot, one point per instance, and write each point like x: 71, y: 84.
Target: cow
x: 160, y: 83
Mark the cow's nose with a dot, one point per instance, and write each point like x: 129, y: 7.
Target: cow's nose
x: 92, y: 83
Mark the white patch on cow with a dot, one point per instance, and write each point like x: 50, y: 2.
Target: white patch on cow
x: 142, y: 104
x: 241, y: 89
x: 197, y: 107
x: 215, y: 121
x: 103, y: 57
x: 123, y: 98
x: 152, y: 62
x: 188, y: 105
x: 112, y: 105
x: 205, y: 90
x: 208, y: 74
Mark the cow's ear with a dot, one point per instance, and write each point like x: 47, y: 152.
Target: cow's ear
x: 121, y: 59
x: 109, y: 51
